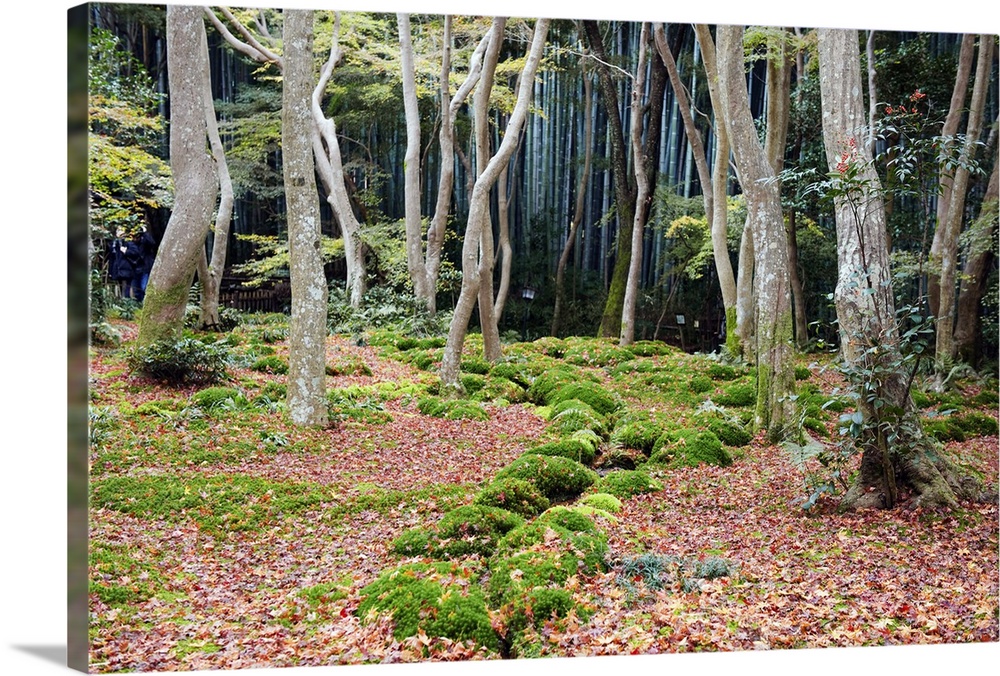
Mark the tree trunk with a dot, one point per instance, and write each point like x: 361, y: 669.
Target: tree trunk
x: 446, y: 140
x: 211, y: 283
x: 642, y: 191
x: 956, y: 109
x: 773, y: 320
x: 952, y: 226
x: 974, y: 274
x: 745, y: 302
x: 898, y: 461
x: 330, y: 167
x: 195, y: 180
x: 720, y: 192
x: 624, y: 195
x: 478, y: 212
x: 487, y: 319
x: 307, y: 331
x: 411, y: 165
x: 581, y: 194
x: 503, y: 242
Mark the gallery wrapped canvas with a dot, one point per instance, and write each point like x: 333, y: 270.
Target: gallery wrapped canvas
x: 417, y: 337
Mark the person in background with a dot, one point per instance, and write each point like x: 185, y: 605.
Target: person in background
x: 147, y: 248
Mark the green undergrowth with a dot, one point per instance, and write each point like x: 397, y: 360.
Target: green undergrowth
x: 120, y: 577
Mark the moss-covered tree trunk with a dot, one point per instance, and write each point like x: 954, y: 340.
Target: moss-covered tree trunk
x: 624, y: 194
x: 307, y: 334
x: 773, y: 313
x: 898, y: 461
x: 968, y: 327
x: 195, y: 180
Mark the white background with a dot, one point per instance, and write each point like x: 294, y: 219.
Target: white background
x: 33, y: 328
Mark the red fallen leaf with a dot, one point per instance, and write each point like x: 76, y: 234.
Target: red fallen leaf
x: 343, y: 612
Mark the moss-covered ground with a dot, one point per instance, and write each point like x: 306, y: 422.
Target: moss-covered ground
x: 222, y: 536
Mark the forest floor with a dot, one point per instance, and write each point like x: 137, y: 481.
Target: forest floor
x: 225, y: 537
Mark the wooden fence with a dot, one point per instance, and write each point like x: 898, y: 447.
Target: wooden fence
x: 273, y: 298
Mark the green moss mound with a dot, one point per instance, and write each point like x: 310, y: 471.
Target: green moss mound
x: 593, y: 394
x: 700, y: 384
x: 180, y: 362
x: 603, y: 501
x: 976, y: 424
x: 212, y: 397
x: 550, y: 380
x: 722, y: 372
x: 500, y: 389
x: 568, y: 518
x: 452, y: 409
x: 464, y: 531
x: 689, y: 448
x: 737, y: 394
x: 472, y: 382
x: 575, y: 449
x: 514, y: 495
x: 729, y: 433
x: 555, y: 477
x: 627, y: 483
x: 271, y: 364
x: 436, y: 598
x: 637, y: 433
x: 802, y: 373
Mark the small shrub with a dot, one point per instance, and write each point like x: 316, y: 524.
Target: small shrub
x: 271, y: 364
x: 274, y: 390
x: 515, y: 495
x: 437, y: 599
x: 554, y: 476
x: 578, y: 450
x: 714, y: 567
x: 738, y: 394
x: 184, y: 361
x: 627, y: 483
x: 602, y: 501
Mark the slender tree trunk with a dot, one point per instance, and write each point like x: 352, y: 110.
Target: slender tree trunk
x: 872, y: 91
x: 195, y: 180
x: 974, y: 274
x: 308, y: 330
x: 745, y: 302
x: 945, y: 344
x: 956, y: 109
x: 897, y: 459
x: 492, y: 350
x: 581, y: 194
x: 775, y: 379
x: 446, y: 140
x: 794, y: 274
x: 642, y: 191
x: 720, y: 192
x: 411, y: 166
x: 479, y: 208
x: 211, y: 283
x: 624, y: 195
x: 506, y: 252
x: 330, y: 167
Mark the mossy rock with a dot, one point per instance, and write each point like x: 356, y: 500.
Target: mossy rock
x: 627, y: 483
x: 554, y: 476
x: 271, y: 364
x: 516, y: 373
x: 476, y: 365
x: 944, y: 429
x: 737, y: 394
x: 722, y: 372
x: 815, y: 425
x: 976, y: 424
x: 637, y: 434
x: 500, y: 389
x: 573, y: 415
x: 212, y: 397
x: 729, y: 433
x: 603, y: 501
x: 514, y: 495
x: 472, y: 382
x: 436, y: 598
x: 593, y: 394
x: 575, y: 449
x: 621, y: 458
x: 464, y: 531
x: 689, y: 448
